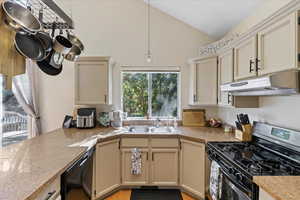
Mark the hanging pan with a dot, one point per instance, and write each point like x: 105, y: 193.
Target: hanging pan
x: 50, y: 67
x: 20, y: 18
x: 30, y: 46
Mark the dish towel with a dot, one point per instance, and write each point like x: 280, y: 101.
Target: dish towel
x: 216, y: 180
x: 136, y: 161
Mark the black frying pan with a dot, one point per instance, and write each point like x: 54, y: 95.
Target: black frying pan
x: 30, y: 46
x: 47, y: 68
x: 46, y: 40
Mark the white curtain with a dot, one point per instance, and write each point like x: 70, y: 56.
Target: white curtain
x: 24, y: 88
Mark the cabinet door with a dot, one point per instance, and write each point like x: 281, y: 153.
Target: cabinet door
x: 127, y: 177
x: 206, y: 81
x: 107, y: 168
x: 277, y: 46
x: 192, y: 167
x: 164, y: 167
x: 245, y: 53
x: 263, y: 195
x: 91, y: 82
x: 225, y: 75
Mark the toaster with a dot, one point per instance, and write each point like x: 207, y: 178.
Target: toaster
x: 86, y: 118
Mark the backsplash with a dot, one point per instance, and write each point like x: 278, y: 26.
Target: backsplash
x: 283, y: 111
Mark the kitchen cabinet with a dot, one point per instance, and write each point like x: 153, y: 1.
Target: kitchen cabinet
x: 245, y: 54
x: 204, y: 82
x: 107, y: 168
x: 127, y: 177
x: 50, y: 192
x: 263, y: 195
x: 278, y: 45
x: 93, y: 80
x: 193, y: 167
x: 164, y: 167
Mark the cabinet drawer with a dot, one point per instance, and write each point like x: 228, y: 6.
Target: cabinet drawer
x: 164, y: 142
x: 49, y: 192
x: 135, y: 142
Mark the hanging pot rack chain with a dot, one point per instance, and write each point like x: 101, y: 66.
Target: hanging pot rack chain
x: 52, y: 13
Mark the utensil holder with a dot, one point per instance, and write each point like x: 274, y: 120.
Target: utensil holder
x: 246, y: 134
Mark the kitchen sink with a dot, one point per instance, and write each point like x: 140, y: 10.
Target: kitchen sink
x: 152, y: 129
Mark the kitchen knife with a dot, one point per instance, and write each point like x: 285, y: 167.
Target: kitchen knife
x: 246, y: 118
x: 238, y: 126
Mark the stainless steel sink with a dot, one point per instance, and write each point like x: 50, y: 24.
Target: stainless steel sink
x: 151, y: 129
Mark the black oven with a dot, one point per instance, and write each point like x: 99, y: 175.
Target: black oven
x: 236, y: 185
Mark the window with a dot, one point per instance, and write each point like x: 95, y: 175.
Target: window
x: 153, y: 94
x: 13, y: 118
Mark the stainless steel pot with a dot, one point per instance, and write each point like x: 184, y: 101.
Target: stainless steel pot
x: 19, y: 18
x: 74, y: 53
x: 62, y: 45
x: 75, y: 41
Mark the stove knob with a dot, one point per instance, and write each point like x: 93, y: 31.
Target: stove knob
x: 239, y: 176
x: 231, y: 171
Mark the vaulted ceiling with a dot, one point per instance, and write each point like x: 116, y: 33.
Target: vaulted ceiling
x: 214, y: 17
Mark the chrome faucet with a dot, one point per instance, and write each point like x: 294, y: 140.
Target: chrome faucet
x: 157, y: 122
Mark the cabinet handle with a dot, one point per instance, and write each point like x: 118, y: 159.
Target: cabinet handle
x: 147, y: 156
x: 50, y: 194
x: 105, y: 98
x: 250, y: 66
x: 195, y: 98
x: 256, y: 64
x: 152, y: 156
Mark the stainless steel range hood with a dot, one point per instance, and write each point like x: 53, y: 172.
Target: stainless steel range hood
x: 281, y: 83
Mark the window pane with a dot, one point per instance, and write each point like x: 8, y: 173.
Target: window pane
x: 135, y: 94
x: 13, y: 117
x: 164, y: 94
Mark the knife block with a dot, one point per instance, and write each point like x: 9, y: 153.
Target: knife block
x: 245, y: 135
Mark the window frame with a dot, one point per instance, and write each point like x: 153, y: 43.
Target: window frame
x: 178, y: 72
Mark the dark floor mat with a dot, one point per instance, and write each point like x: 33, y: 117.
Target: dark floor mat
x: 155, y: 194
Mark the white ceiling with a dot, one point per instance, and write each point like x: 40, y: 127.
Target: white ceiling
x: 214, y: 17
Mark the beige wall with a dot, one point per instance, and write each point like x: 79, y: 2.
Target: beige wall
x: 117, y: 28
x: 282, y: 111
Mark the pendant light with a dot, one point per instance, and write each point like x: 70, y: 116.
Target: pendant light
x: 148, y: 54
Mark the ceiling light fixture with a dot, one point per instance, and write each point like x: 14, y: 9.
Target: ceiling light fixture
x: 148, y: 54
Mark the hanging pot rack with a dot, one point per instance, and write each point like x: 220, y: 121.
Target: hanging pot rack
x: 52, y: 13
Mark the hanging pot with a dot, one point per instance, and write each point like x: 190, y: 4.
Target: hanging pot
x: 19, y: 18
x: 30, y: 46
x: 75, y: 41
x: 62, y: 44
x: 49, y: 67
x: 73, y: 55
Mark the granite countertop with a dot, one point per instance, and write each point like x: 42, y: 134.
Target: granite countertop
x: 280, y: 187
x: 27, y: 167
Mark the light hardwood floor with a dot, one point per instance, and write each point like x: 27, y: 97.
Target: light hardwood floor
x: 125, y: 195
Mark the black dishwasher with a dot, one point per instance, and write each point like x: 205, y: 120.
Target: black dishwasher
x: 77, y: 180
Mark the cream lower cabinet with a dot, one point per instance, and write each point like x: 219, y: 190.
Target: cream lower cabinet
x: 278, y: 45
x: 164, y: 167
x: 107, y: 168
x: 263, y: 195
x: 193, y: 167
x: 127, y: 177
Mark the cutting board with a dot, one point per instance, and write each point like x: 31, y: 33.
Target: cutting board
x: 193, y: 117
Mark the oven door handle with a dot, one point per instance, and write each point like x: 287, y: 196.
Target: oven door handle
x: 240, y: 187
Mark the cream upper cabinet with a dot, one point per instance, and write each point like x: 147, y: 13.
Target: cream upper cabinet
x: 107, y: 168
x: 278, y: 45
x: 193, y: 167
x: 131, y: 179
x: 225, y: 75
x: 263, y: 195
x: 204, y: 82
x: 164, y: 167
x: 93, y: 80
x: 245, y: 54
x: 225, y: 67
